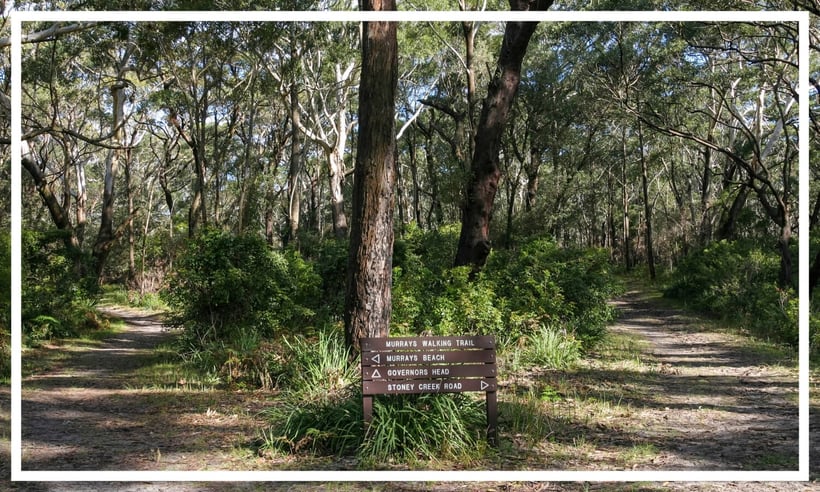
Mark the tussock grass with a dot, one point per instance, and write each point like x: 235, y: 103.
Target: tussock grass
x: 418, y: 428
x: 318, y: 369
x: 320, y: 412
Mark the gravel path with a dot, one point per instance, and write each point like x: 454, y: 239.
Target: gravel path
x: 708, y: 403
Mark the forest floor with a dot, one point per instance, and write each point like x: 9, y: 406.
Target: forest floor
x: 666, y: 392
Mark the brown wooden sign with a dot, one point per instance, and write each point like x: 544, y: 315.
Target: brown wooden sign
x: 429, y: 371
x: 426, y: 356
x: 427, y: 386
x: 423, y: 365
x: 399, y: 343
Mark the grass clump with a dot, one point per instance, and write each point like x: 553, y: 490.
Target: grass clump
x: 318, y: 368
x: 320, y: 412
x: 329, y: 426
x: 425, y: 427
x: 551, y: 348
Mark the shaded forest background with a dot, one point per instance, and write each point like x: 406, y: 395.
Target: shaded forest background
x: 206, y: 168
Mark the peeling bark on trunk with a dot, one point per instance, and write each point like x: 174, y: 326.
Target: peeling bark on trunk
x: 369, y: 276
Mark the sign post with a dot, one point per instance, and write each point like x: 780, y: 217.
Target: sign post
x: 419, y: 365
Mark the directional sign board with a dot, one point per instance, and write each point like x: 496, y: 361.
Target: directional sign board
x: 427, y: 386
x: 427, y: 356
x: 429, y: 371
x: 424, y: 365
x: 427, y: 343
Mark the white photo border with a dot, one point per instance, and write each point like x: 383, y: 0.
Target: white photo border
x: 18, y: 17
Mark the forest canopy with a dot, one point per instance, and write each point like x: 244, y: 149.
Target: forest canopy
x: 637, y: 143
x: 505, y: 178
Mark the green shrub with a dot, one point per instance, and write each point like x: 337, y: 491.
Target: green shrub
x: 225, y: 284
x: 58, y: 299
x: 330, y: 264
x: 737, y: 280
x: 516, y: 292
x: 233, y: 296
x: 551, y: 348
x: 545, y: 284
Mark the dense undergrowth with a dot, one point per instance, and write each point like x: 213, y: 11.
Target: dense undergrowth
x: 238, y: 302
x: 254, y: 317
x: 737, y: 281
x: 59, y: 299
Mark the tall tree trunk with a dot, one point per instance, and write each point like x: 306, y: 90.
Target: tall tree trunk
x: 814, y: 273
x: 197, y: 213
x: 474, y: 242
x: 81, y: 201
x: 337, y: 198
x: 508, y: 234
x: 166, y: 191
x: 435, y: 214
x: 295, y: 169
x: 414, y: 172
x: 532, y: 178
x: 784, y: 278
x: 247, y: 174
x: 401, y: 201
x: 612, y: 236
x: 105, y: 236
x: 369, y: 275
x: 627, y: 239
x: 647, y: 207
x: 145, y: 230
x: 129, y: 194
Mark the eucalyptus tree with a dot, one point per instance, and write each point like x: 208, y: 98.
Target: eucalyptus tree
x: 755, y: 94
x: 559, y: 124
x: 202, y: 81
x: 328, y: 78
x: 368, y: 300
x: 625, y: 55
x: 474, y: 241
x: 76, y: 103
x: 5, y: 126
x: 452, y: 95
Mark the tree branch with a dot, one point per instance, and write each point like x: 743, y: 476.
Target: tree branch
x: 48, y: 34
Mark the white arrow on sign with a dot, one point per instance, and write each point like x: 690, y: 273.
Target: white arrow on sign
x: 376, y: 358
x: 376, y: 374
x: 484, y: 385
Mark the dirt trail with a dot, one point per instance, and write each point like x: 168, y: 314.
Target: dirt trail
x: 85, y: 414
x: 717, y: 404
x: 706, y: 403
